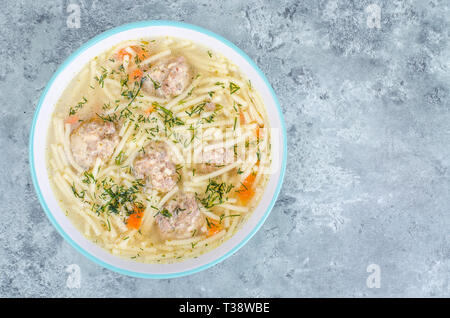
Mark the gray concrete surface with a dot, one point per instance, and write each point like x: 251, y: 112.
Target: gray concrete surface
x: 368, y: 119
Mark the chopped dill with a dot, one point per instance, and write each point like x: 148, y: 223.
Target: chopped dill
x: 156, y: 85
x: 209, y: 119
x: 110, y: 117
x: 223, y: 216
x: 177, y: 170
x: 215, y: 193
x: 197, y: 109
x: 101, y: 79
x: 119, y: 198
x: 167, y: 115
x: 208, y: 223
x: 88, y: 177
x: 106, y: 106
x: 233, y: 88
x: 77, y: 194
x: 190, y: 92
x: 73, y: 110
x: 164, y: 212
x: 119, y: 158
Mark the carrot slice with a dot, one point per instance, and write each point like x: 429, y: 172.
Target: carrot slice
x: 122, y: 53
x: 149, y: 110
x: 246, y: 191
x: 246, y: 195
x: 136, y: 75
x: 135, y: 219
x: 72, y: 119
x: 241, y: 118
x: 142, y: 55
x: 248, y: 182
x: 213, y: 226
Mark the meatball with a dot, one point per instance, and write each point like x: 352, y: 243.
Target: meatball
x: 156, y: 165
x: 180, y: 218
x: 91, y: 140
x: 169, y: 78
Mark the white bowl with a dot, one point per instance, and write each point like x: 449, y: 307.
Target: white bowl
x: 61, y: 79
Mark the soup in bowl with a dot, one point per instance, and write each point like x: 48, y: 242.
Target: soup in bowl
x: 158, y: 149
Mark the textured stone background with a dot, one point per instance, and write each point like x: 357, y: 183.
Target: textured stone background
x: 368, y: 119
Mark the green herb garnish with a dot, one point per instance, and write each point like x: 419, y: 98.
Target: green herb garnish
x: 215, y: 193
x: 233, y: 88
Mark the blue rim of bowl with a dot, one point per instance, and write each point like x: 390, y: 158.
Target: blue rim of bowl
x: 101, y: 37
